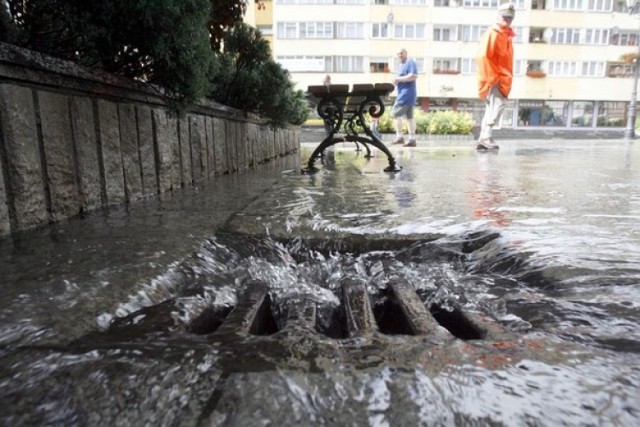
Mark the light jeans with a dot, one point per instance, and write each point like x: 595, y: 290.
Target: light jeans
x: 496, y: 103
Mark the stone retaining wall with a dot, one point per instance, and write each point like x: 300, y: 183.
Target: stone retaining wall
x: 72, y: 141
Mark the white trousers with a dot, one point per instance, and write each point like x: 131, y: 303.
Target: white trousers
x: 495, y: 105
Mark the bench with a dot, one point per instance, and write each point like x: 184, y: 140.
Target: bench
x: 344, y: 111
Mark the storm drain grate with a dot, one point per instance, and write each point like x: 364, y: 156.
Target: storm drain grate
x: 398, y: 310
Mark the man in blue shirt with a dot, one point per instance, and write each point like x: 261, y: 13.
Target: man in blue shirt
x: 405, y: 81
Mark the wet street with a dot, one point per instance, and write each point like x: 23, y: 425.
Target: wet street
x: 495, y: 288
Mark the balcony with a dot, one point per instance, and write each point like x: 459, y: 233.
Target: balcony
x: 620, y: 69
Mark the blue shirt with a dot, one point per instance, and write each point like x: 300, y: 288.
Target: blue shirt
x: 407, y: 92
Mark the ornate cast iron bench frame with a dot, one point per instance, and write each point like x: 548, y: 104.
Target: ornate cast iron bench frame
x: 344, y: 111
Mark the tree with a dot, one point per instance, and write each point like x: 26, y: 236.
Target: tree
x: 250, y: 80
x: 225, y: 14
x: 164, y: 42
x: 6, y: 28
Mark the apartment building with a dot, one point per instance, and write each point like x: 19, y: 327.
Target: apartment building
x: 573, y: 58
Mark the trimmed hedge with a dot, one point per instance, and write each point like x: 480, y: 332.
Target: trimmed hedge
x: 433, y: 122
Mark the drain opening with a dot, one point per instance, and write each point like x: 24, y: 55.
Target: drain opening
x: 209, y: 320
x: 263, y: 322
x: 331, y: 323
x: 457, y: 323
x: 389, y: 316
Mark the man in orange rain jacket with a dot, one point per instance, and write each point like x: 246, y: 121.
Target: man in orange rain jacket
x: 495, y: 73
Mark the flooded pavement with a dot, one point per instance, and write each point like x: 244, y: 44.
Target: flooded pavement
x: 467, y: 289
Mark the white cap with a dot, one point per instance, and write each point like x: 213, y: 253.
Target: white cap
x: 507, y: 9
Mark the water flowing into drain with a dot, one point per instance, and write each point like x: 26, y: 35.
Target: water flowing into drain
x: 248, y: 314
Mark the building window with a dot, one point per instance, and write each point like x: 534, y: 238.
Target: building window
x: 612, y: 114
x: 441, y: 3
x: 350, y: 30
x: 593, y: 69
x: 379, y: 65
x: 316, y: 30
x: 582, y: 115
x: 543, y: 113
x: 520, y: 34
x: 480, y: 3
x: 534, y: 69
x: 468, y: 66
x: 287, y: 30
x: 445, y: 66
x: 537, y: 35
x: 379, y: 30
x: 471, y: 33
x: 408, y: 2
x: 562, y: 68
x: 537, y: 4
x: 620, y: 6
x: 303, y: 63
x: 409, y: 31
x: 349, y: 64
x: 443, y: 34
x: 568, y: 4
x: 600, y: 5
x: 566, y: 36
x: 623, y: 39
x: 596, y: 36
x: 305, y: 30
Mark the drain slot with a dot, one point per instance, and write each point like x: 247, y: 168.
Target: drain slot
x: 331, y: 323
x: 252, y: 315
x: 390, y: 316
x: 263, y: 321
x: 457, y: 323
x: 209, y: 320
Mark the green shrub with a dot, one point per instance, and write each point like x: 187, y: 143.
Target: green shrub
x: 436, y: 122
x: 450, y: 122
x: 250, y: 80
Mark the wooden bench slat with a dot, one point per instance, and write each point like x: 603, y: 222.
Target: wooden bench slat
x: 364, y: 87
x: 322, y: 90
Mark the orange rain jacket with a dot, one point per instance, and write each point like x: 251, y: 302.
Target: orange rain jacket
x: 495, y: 60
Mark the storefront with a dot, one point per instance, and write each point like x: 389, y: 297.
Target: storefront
x: 540, y: 113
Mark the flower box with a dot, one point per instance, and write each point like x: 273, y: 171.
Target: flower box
x: 445, y: 71
x: 536, y: 74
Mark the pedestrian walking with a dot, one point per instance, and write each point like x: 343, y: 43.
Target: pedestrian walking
x: 405, y: 82
x: 495, y: 73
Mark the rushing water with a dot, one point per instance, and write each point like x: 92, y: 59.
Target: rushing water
x: 110, y: 319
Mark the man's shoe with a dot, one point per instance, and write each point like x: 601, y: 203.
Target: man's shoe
x: 483, y: 144
x: 411, y: 143
x: 486, y: 144
x: 398, y: 141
